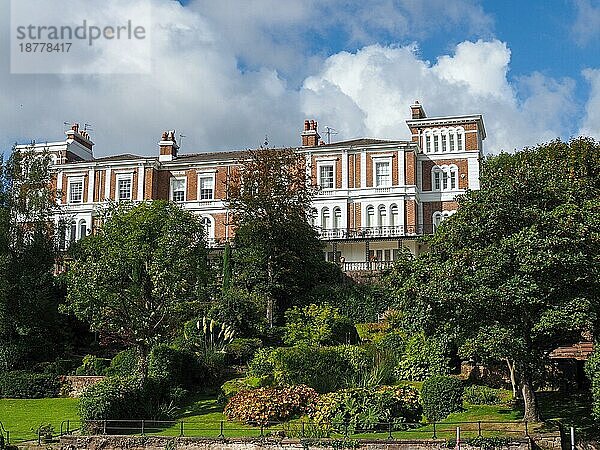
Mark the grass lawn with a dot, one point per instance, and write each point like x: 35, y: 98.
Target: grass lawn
x: 19, y: 416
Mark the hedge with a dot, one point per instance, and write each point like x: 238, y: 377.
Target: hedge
x: 23, y: 384
x: 441, y: 396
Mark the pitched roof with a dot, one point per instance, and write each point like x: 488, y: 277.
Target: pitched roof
x: 361, y: 141
x: 122, y: 157
x: 580, y: 351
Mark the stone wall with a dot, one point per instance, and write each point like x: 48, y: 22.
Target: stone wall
x: 188, y: 443
x: 76, y: 384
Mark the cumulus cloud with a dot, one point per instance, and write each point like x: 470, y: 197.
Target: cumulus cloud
x: 591, y: 120
x: 586, y: 27
x: 227, y: 73
x: 380, y: 82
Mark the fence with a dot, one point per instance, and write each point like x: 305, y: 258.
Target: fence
x: 297, y: 429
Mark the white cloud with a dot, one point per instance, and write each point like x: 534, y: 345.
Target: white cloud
x: 591, y: 120
x: 382, y: 81
x: 587, y: 24
x: 227, y: 73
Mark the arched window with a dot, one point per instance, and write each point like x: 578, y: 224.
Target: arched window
x: 444, y: 140
x: 394, y: 219
x: 460, y: 139
x: 444, y: 178
x: 453, y: 177
x: 439, y: 216
x: 325, y: 219
x: 381, y: 216
x: 370, y: 222
x: 452, y: 138
x: 313, y: 217
x: 82, y: 229
x: 436, y: 142
x: 337, y: 218
x: 208, y: 228
x: 73, y: 231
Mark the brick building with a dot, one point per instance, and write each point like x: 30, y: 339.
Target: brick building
x: 376, y: 196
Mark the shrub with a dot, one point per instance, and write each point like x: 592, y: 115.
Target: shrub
x: 22, y: 384
x: 261, y: 364
x: 124, y: 363
x: 441, y: 396
x: 592, y: 370
x: 317, y: 326
x: 174, y: 367
x: 367, y: 409
x: 276, y: 404
x: 92, y: 365
x: 127, y: 397
x: 325, y: 369
x: 423, y: 357
x: 241, y: 351
x: 484, y: 395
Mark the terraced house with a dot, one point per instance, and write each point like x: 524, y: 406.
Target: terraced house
x: 375, y: 196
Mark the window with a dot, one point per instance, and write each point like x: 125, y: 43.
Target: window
x: 76, y: 191
x: 325, y: 219
x: 207, y: 185
x: 444, y: 142
x: 445, y: 180
x: 436, y: 143
x: 394, y: 220
x: 382, y: 173
x: 326, y: 180
x: 178, y: 190
x: 207, y: 224
x: 73, y: 231
x: 381, y: 216
x: 313, y: 217
x: 439, y: 216
x: 337, y: 218
x: 370, y: 222
x: 124, y: 189
x: 453, y: 176
x: 459, y: 141
x: 82, y: 229
x: 436, y: 180
x: 452, y: 134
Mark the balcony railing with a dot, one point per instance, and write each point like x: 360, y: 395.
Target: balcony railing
x: 361, y: 266
x: 394, y: 231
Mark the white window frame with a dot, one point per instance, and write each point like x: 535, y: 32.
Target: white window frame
x: 445, y: 178
x: 326, y: 217
x: 336, y: 218
x: 123, y: 177
x: 71, y: 181
x: 325, y: 163
x: 172, y: 189
x: 206, y: 176
x: 379, y: 159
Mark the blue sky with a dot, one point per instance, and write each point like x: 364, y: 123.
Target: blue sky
x: 226, y: 73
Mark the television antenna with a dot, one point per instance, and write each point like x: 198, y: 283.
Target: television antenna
x: 328, y: 132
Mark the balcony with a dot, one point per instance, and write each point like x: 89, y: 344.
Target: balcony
x: 383, y: 232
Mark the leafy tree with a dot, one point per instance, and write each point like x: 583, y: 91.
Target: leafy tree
x: 277, y: 252
x: 515, y: 271
x: 141, y: 276
x: 317, y: 326
x: 30, y: 326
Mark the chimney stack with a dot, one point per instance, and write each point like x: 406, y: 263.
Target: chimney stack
x: 168, y: 146
x: 417, y: 111
x: 310, y: 135
x: 81, y: 137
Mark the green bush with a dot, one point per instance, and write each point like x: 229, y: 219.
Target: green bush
x: 367, y: 409
x: 592, y: 370
x: 23, y: 384
x: 423, y: 357
x: 325, y: 369
x: 276, y: 404
x: 92, y: 365
x: 232, y: 387
x: 441, y: 396
x: 124, y: 363
x: 241, y: 351
x: 175, y: 367
x: 484, y: 395
x: 317, y: 326
x: 261, y: 365
x: 119, y: 398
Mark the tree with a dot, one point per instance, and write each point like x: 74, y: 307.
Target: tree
x: 142, y: 276
x: 516, y: 270
x: 276, y: 251
x: 30, y: 326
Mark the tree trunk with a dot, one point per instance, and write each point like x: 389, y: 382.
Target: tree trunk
x: 532, y: 413
x: 143, y: 362
x: 513, y: 378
